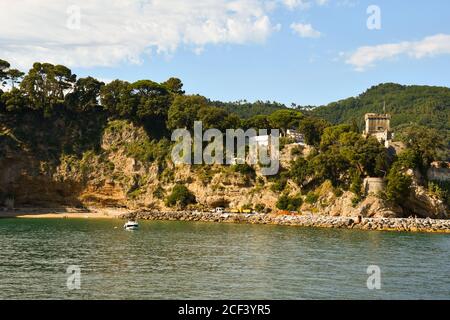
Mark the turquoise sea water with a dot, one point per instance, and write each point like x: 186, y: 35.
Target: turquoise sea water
x: 185, y: 260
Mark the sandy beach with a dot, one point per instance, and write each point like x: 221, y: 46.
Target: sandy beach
x: 64, y: 213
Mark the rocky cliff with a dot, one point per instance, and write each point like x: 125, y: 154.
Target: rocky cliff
x: 41, y: 166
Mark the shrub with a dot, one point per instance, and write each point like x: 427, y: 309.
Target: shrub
x: 279, y: 185
x: 244, y: 169
x: 297, y: 151
x: 205, y: 175
x: 440, y: 189
x: 283, y: 202
x: 285, y: 141
x: 356, y: 183
x: 148, y: 151
x: 180, y: 196
x: 259, y: 207
x: 338, y: 192
x: 159, y: 192
x: 295, y: 203
x: 300, y: 171
x: 279, y: 181
x: 167, y: 175
x: 355, y: 201
x: 286, y: 202
x: 260, y: 181
x: 311, y: 198
x: 135, y: 193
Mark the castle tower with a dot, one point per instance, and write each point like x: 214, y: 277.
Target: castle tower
x: 379, y: 126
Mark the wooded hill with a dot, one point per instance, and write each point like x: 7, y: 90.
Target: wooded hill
x: 422, y: 105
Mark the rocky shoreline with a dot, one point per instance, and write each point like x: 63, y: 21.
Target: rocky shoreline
x: 307, y: 220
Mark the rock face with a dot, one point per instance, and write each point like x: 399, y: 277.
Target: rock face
x: 424, y: 205
x: 375, y: 207
x: 114, y: 176
x: 372, y: 207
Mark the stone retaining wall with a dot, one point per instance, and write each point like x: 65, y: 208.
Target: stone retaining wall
x: 381, y: 224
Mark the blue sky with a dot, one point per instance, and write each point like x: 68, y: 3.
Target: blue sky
x: 258, y: 59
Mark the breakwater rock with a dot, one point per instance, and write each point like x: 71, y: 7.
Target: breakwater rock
x: 307, y: 220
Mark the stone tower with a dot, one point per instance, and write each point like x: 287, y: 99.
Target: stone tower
x: 379, y: 126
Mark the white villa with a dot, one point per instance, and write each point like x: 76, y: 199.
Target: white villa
x: 298, y: 137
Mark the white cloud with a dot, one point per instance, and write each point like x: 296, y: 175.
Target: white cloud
x: 321, y: 2
x: 347, y: 3
x: 292, y: 4
x: 365, y: 57
x: 303, y: 4
x: 114, y: 31
x: 305, y: 30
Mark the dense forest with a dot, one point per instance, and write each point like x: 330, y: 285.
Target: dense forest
x: 53, y: 113
x: 246, y: 109
x: 422, y: 105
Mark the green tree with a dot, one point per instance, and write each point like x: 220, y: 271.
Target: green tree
x: 398, y: 185
x: 85, y: 94
x: 14, y: 76
x: 152, y: 99
x: 174, y: 85
x: 356, y: 182
x: 329, y: 165
x: 425, y: 142
x: 213, y: 117
x: 409, y: 159
x: 257, y: 122
x: 285, y: 119
x: 331, y: 135
x: 62, y: 80
x: 183, y: 111
x: 362, y: 153
x: 423, y: 105
x: 300, y: 171
x: 14, y: 101
x: 312, y: 128
x: 4, y: 67
x: 116, y: 99
x: 246, y: 110
x: 232, y: 121
x: 45, y: 84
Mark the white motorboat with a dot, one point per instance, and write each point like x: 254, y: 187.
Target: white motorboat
x: 131, y: 225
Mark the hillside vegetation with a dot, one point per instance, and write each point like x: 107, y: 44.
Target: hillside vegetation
x: 245, y: 109
x: 79, y: 141
x: 422, y: 105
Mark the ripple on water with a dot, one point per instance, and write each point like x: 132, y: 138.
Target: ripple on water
x: 169, y: 260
